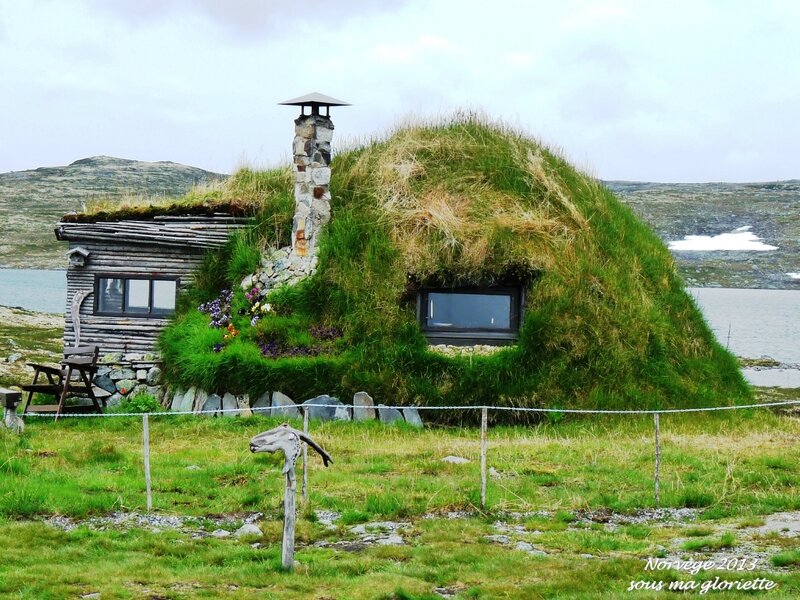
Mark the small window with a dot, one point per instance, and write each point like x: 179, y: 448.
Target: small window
x: 135, y: 296
x: 470, y: 316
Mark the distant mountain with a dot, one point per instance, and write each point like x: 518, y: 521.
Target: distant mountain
x: 771, y: 210
x: 32, y: 202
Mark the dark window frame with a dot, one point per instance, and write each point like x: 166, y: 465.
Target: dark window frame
x: 467, y: 336
x: 125, y: 277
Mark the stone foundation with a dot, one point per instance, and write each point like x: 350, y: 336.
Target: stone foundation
x: 121, y: 376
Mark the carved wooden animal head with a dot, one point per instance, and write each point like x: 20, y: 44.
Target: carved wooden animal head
x: 288, y: 440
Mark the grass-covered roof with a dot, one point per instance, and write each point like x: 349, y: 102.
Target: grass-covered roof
x: 607, y: 321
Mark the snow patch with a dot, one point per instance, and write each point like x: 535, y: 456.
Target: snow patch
x: 741, y: 239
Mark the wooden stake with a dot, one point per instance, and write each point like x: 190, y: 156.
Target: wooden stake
x: 484, y: 421
x: 658, y: 459
x: 305, y: 458
x: 146, y: 443
x: 287, y: 550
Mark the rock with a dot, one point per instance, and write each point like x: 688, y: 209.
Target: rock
x: 192, y: 468
x: 153, y: 376
x: 150, y: 357
x: 124, y: 373
x: 220, y: 533
x: 455, y: 460
x: 177, y: 400
x: 114, y: 400
x: 283, y: 406
x: 187, y: 401
x: 229, y: 403
x: 213, y: 402
x: 103, y: 371
x: 262, y: 404
x: 243, y: 403
x: 247, y: 282
x: 498, y: 539
x: 13, y: 357
x: 100, y: 392
x: 247, y: 529
x: 105, y: 382
x: 390, y: 540
x: 389, y: 415
x: 153, y: 390
x: 199, y: 400
x: 126, y: 386
x: 141, y: 374
x: 114, y: 357
x: 342, y: 413
x: 323, y: 413
x: 412, y: 417
x: 363, y: 407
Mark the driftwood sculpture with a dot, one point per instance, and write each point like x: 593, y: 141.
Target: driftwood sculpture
x: 289, y: 441
x: 75, y: 312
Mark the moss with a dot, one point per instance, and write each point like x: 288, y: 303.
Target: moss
x: 607, y: 323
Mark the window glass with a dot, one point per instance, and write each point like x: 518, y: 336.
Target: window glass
x: 109, y: 297
x: 469, y: 311
x: 137, y: 296
x: 163, y: 296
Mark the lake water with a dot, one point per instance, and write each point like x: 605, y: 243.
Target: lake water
x: 34, y: 289
x: 751, y: 323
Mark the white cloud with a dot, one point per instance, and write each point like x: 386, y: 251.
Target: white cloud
x: 679, y: 91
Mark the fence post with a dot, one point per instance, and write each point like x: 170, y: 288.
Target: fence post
x: 305, y: 457
x: 484, y: 420
x: 146, y: 444
x: 658, y: 459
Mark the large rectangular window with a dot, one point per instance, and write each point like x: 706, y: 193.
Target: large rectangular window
x: 135, y: 295
x: 470, y: 315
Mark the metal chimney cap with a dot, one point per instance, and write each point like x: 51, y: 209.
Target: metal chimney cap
x: 314, y: 99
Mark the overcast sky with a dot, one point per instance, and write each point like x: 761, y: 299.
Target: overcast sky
x: 698, y: 90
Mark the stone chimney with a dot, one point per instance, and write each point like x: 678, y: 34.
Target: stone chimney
x: 312, y: 158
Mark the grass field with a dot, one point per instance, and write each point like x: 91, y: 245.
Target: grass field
x: 570, y: 509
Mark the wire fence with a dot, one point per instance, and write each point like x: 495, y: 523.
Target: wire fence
x: 485, y: 409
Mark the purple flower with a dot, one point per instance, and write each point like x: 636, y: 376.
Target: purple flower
x: 217, y: 347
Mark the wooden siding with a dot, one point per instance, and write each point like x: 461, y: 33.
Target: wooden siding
x: 166, y: 248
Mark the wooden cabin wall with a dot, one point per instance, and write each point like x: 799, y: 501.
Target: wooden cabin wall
x: 168, y: 248
x: 124, y: 334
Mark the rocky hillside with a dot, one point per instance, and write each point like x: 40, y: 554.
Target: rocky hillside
x: 31, y: 202
x: 770, y: 209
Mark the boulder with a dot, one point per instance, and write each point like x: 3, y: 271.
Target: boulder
x: 283, y: 406
x: 363, y: 407
x: 455, y: 460
x: 153, y: 376
x: 213, y: 402
x: 412, y: 417
x: 114, y: 400
x: 243, y: 403
x: 262, y: 404
x: 13, y: 357
x: 187, y: 401
x: 389, y: 415
x: 105, y: 382
x: 124, y: 373
x: 323, y: 413
x: 177, y: 400
x: 247, y: 529
x: 199, y: 400
x: 342, y: 413
x: 100, y: 393
x: 229, y: 403
x: 141, y: 374
x: 126, y: 386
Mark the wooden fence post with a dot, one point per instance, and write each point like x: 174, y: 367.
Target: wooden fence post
x: 484, y: 420
x: 146, y: 444
x: 658, y: 459
x: 305, y: 457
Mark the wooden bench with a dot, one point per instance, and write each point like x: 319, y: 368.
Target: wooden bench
x: 72, y: 378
